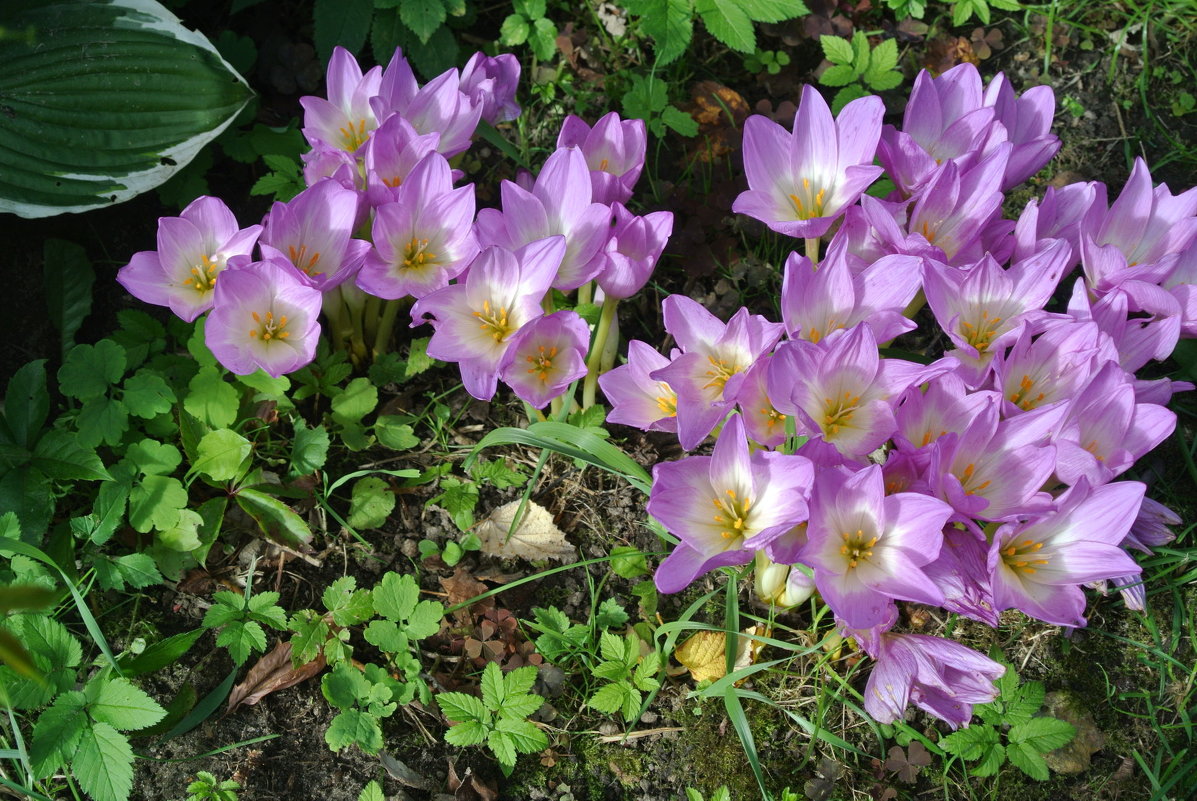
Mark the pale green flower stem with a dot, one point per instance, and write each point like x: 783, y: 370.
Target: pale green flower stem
x: 812, y: 252
x: 594, y: 363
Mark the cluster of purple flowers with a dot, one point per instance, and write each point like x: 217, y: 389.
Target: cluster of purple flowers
x: 382, y: 219
x: 980, y: 482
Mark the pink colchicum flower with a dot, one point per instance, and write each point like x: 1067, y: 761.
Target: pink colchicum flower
x: 955, y: 207
x: 559, y: 203
x: 725, y: 506
x: 1039, y: 565
x: 632, y: 252
x: 265, y: 316
x: 423, y: 239
x: 638, y: 400
x: 391, y: 154
x: 867, y: 547
x: 476, y: 320
x: 800, y: 182
x: 490, y: 82
x: 345, y: 119
x: 545, y: 357
x: 614, y: 149
x: 314, y: 232
x: 942, y: 677
x: 714, y: 360
x: 193, y: 250
x: 1028, y: 122
x: 1049, y: 368
x: 765, y: 425
x: 437, y: 107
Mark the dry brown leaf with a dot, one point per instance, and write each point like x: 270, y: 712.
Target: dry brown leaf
x: 536, y: 538
x: 469, y: 787
x: 461, y: 587
x: 273, y: 672
x: 704, y: 653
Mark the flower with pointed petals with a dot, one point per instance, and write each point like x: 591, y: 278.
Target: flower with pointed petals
x: 438, y: 106
x: 1049, y: 368
x: 1028, y: 123
x: 725, y: 506
x: 1038, y: 566
x: 765, y: 425
x: 871, y: 230
x: 632, y: 251
x: 1141, y: 320
x: 818, y: 303
x: 941, y: 677
x: 476, y: 320
x: 800, y: 182
x: 344, y: 120
x: 193, y: 250
x: 265, y: 316
x: 614, y: 149
x: 867, y: 547
x: 636, y: 399
x: 954, y: 209
x: 946, y: 406
x: 714, y: 361
x: 1181, y: 283
x: 490, y: 82
x: 423, y: 239
x: 1151, y: 527
x: 960, y: 573
x: 558, y: 203
x: 545, y: 357
x: 391, y: 154
x: 1146, y: 224
x: 314, y: 231
x: 841, y: 389
x: 1061, y: 214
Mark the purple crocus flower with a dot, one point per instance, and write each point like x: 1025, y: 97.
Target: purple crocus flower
x: 314, y: 231
x: 714, y: 360
x: 1145, y: 223
x: 871, y: 230
x: 725, y: 506
x: 490, y: 82
x: 818, y: 303
x: 632, y: 252
x: 765, y: 425
x: 1049, y: 368
x: 867, y: 547
x: 344, y: 120
x: 1141, y: 320
x: 391, y: 154
x: 955, y: 207
x: 476, y: 320
x: 423, y: 239
x: 960, y: 573
x: 946, y: 406
x: 1028, y: 122
x: 1061, y: 214
x: 636, y: 399
x: 265, y: 316
x: 1181, y: 283
x: 1038, y: 565
x: 437, y: 107
x: 559, y: 203
x: 941, y: 677
x: 545, y: 357
x: 1151, y: 527
x: 193, y: 250
x: 614, y: 149
x: 800, y: 182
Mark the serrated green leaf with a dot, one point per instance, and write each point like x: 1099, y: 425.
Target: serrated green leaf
x: 884, y: 81
x: 971, y: 743
x: 883, y: 58
x: 1043, y: 734
x: 671, y: 25
x: 610, y: 614
x: 1024, y: 757
x: 679, y: 121
x: 611, y: 647
x: 57, y: 733
x: 154, y: 502
x: 310, y: 633
x: 502, y: 746
x: 220, y: 454
x: 532, y: 9
x: 211, y: 399
x: 1024, y: 703
x: 341, y: 22
x: 146, y: 394
x: 458, y: 498
x: 344, y: 685
x: 462, y: 707
x: 349, y: 606
x: 184, y: 535
x: 610, y: 698
x: 494, y: 691
x: 395, y: 434
x: 727, y: 22
x: 241, y: 638
x: 861, y: 57
x: 138, y: 570
x: 628, y: 561
x: 525, y: 735
x: 551, y: 618
x: 612, y: 671
x: 309, y: 448
x: 103, y: 763
x: 153, y: 458
x: 124, y: 706
x: 102, y: 420
x: 385, y: 635
x: 354, y: 727
x: 845, y: 96
x: 514, y: 30
x: 371, y: 503
x: 520, y: 680
x: 543, y: 39
x: 773, y: 10
x: 469, y: 732
x: 60, y: 456
x: 90, y: 369
x: 371, y: 792
x: 645, y: 676
x: 356, y: 401
x: 423, y: 17
x: 991, y: 761
x: 395, y: 596
x: 521, y: 706
x: 425, y: 620
x: 836, y: 49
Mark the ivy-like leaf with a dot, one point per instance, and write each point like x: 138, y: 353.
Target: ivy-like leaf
x: 90, y: 369
x: 146, y: 394
x: 371, y: 503
x: 211, y: 399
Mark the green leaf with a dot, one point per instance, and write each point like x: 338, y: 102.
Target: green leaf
x: 276, y: 520
x: 773, y: 10
x: 1024, y: 703
x: 861, y: 57
x: 425, y: 620
x: 884, y: 81
x: 1043, y: 734
x: 837, y: 50
x: 27, y: 402
x: 348, y: 605
x: 671, y: 25
x: 521, y: 706
x: 184, y: 535
x: 728, y: 23
x: 344, y: 685
x: 241, y: 638
x: 211, y: 399
x: 1024, y: 757
x: 628, y: 561
x: 124, y: 706
x: 309, y: 448
x: 264, y: 608
x: 422, y: 16
x: 520, y: 680
x: 532, y: 9
x: 611, y: 671
x: 341, y: 22
x: 395, y: 596
x: 514, y: 30
x: 498, y: 473
x: 971, y: 743
x: 90, y: 369
x: 371, y: 503
x: 146, y: 394
x: 543, y: 39
x: 356, y: 401
x: 57, y: 733
x: 385, y: 635
x: 418, y: 360
x: 645, y: 677
x: 525, y: 735
x: 154, y: 458
x: 991, y: 761
x: 845, y: 96
x: 394, y: 434
x: 68, y: 280
x: 458, y: 498
x: 371, y: 792
x: 310, y: 633
x: 883, y: 58
x: 502, y: 745
x: 138, y: 570
x: 220, y: 454
x: 610, y: 614
x: 102, y: 420
x: 494, y: 691
x: 611, y: 647
x: 59, y: 456
x: 461, y: 707
x: 679, y: 121
x: 104, y: 101
x: 469, y: 732
x: 155, y: 503
x: 610, y: 698
x: 354, y: 727
x: 160, y: 654
x: 103, y: 765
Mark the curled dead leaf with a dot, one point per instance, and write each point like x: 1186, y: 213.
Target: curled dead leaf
x: 535, y: 538
x: 271, y: 673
